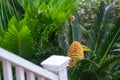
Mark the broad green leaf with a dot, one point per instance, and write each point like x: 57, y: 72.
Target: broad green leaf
x: 19, y: 42
x: 109, y: 14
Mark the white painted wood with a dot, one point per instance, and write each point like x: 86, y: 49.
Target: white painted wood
x: 63, y: 74
x: 7, y: 70
x: 58, y: 65
x: 18, y: 61
x: 20, y: 73
x: 41, y: 78
x: 30, y: 76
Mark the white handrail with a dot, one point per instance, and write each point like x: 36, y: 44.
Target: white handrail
x: 54, y: 68
x: 18, y: 61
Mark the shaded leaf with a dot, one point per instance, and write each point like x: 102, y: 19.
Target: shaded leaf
x: 18, y: 41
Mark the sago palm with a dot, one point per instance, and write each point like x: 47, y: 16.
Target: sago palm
x: 98, y: 64
x: 36, y: 31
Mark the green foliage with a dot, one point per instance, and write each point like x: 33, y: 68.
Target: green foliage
x: 45, y: 20
x: 81, y: 67
x: 36, y: 32
x: 106, y: 64
x: 88, y: 75
x: 18, y: 40
x: 98, y: 65
x: 9, y: 8
x: 72, y: 32
x: 41, y: 28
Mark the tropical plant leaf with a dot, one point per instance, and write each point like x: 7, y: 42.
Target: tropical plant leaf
x: 110, y: 40
x: 98, y: 27
x: 109, y: 14
x: 0, y: 40
x: 104, y: 66
x: 18, y: 41
x: 9, y: 8
x: 1, y: 36
x: 85, y: 48
x: 17, y: 6
x: 71, y: 33
x: 101, y: 37
x: 81, y: 66
x: 62, y: 38
x: 46, y: 19
x: 74, y: 30
x: 91, y: 75
x: 101, y: 40
x: 95, y: 33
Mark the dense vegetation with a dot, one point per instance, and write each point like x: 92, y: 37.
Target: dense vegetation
x: 37, y: 29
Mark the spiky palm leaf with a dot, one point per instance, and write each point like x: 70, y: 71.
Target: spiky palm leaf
x: 110, y: 40
x: 106, y: 64
x: 9, y: 8
x: 101, y: 39
x: 103, y: 34
x: 81, y: 67
x: 18, y: 40
x: 95, y: 34
x: 45, y: 19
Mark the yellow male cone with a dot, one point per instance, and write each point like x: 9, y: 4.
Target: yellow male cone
x: 75, y: 52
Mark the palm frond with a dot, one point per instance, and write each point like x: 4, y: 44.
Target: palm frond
x: 91, y: 75
x: 110, y: 40
x: 16, y: 5
x: 18, y: 41
x: 80, y: 67
x: 96, y: 32
x: 9, y: 8
x: 104, y: 66
x: 47, y: 18
x: 72, y: 32
x: 102, y: 36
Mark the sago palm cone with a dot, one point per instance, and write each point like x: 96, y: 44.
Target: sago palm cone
x: 75, y: 52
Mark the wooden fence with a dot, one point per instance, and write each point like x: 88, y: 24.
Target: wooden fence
x: 17, y: 68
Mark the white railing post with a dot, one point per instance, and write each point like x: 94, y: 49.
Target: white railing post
x: 58, y: 65
x: 7, y: 70
x: 20, y: 73
x: 30, y: 76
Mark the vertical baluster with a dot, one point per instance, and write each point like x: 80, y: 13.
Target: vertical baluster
x: 30, y: 76
x: 20, y: 73
x: 0, y: 76
x: 7, y: 70
x: 41, y: 78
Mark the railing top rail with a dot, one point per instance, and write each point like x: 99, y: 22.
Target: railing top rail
x: 18, y: 61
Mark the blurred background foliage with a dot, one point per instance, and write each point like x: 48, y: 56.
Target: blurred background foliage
x: 100, y: 31
x: 37, y: 29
